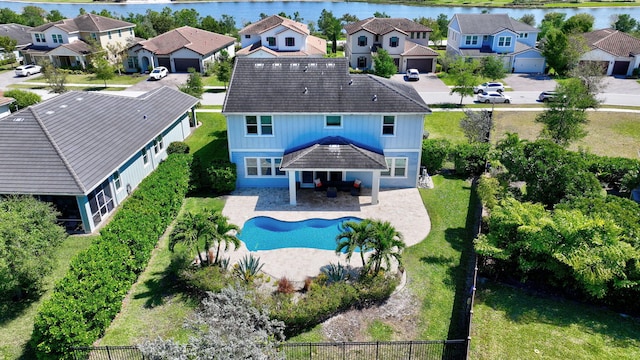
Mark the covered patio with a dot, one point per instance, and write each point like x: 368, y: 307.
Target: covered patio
x: 333, y: 160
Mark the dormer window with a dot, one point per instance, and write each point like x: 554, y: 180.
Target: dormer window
x: 271, y: 41
x: 289, y: 41
x: 362, y: 40
x: 504, y: 41
x: 57, y: 38
x: 523, y: 35
x: 394, y: 41
x: 40, y: 38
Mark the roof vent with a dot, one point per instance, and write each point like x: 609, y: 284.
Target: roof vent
x: 79, y: 99
x: 375, y: 98
x: 144, y: 117
x: 63, y: 106
x: 305, y: 68
x: 276, y: 65
x: 305, y: 90
x: 331, y: 65
x: 19, y: 119
x: 50, y: 112
x: 258, y: 65
x: 350, y: 81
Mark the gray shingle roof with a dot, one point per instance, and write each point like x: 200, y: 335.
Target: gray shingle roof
x: 86, y: 23
x: 72, y: 142
x: 17, y: 32
x: 333, y: 152
x: 490, y: 24
x: 314, y: 85
x: 383, y: 26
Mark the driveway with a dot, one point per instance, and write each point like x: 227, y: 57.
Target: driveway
x: 529, y: 82
x: 172, y: 80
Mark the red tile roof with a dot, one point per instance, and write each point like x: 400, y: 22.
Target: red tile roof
x: 200, y: 41
x: 613, y: 41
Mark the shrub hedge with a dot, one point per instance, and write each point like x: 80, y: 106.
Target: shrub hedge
x: 87, y: 299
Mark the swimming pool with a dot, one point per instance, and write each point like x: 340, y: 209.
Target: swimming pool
x: 266, y: 233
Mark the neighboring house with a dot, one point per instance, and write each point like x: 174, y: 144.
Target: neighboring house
x: 278, y: 36
x: 292, y: 121
x: 19, y: 33
x: 617, y: 52
x: 481, y: 35
x: 65, y: 43
x: 86, y: 151
x: 4, y: 105
x: 179, y: 49
x: 406, y: 42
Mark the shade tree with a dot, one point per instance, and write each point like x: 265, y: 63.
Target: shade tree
x: 464, y: 77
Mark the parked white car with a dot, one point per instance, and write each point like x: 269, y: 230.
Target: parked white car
x: 488, y: 86
x: 413, y: 75
x: 493, y: 97
x: 158, y: 73
x: 26, y: 70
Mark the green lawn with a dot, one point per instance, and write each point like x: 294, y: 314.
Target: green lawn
x: 16, y: 320
x: 445, y: 125
x: 509, y: 323
x: 212, y: 81
x: 209, y: 141
x: 90, y: 79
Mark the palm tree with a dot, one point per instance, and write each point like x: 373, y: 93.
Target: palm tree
x: 354, y: 235
x: 192, y: 229
x: 386, y: 243
x: 222, y: 233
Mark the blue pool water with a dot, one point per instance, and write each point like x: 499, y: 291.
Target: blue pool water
x: 266, y: 233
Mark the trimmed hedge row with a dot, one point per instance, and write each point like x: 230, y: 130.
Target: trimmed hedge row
x: 88, y: 298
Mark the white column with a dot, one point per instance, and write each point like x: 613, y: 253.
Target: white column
x: 292, y: 187
x: 375, y: 187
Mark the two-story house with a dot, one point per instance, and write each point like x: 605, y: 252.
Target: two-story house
x: 405, y: 40
x: 86, y: 152
x: 293, y: 122
x: 278, y: 36
x: 66, y: 43
x: 179, y: 49
x: 480, y: 35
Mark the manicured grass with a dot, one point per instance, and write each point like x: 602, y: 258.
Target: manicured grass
x: 209, y: 141
x: 436, y: 266
x: 90, y: 79
x: 212, y: 81
x: 609, y: 133
x: 16, y: 320
x: 510, y: 323
x: 445, y: 125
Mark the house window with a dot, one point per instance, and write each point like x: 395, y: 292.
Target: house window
x: 158, y: 144
x: 424, y: 35
x: 504, y: 41
x: 397, y: 167
x: 40, y: 38
x: 119, y: 33
x: 57, y: 38
x: 388, y: 125
x: 130, y: 31
x: 413, y: 34
x: 263, y: 167
x: 362, y: 62
x: 289, y: 41
x: 271, y: 41
x: 145, y: 156
x: 394, y: 41
x: 109, y: 34
x: 362, y: 40
x: 100, y: 202
x: 132, y: 62
x: 264, y: 127
x: 334, y: 121
x: 247, y: 36
x: 94, y: 36
x: 116, y: 180
x: 523, y: 35
x: 471, y: 40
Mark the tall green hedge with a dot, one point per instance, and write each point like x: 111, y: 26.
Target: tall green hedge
x: 88, y: 298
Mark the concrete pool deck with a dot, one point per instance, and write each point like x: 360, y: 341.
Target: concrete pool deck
x: 402, y: 207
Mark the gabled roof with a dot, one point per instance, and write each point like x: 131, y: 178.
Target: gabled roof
x: 490, y: 24
x: 315, y: 46
x: 381, y: 26
x: 333, y: 152
x: 200, y: 41
x: 86, y: 23
x: 613, y: 41
x: 314, y: 85
x: 271, y: 22
x: 71, y: 143
x: 17, y: 32
x: 413, y: 49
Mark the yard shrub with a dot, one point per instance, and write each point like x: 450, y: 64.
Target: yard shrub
x: 23, y: 99
x: 178, y: 147
x: 488, y: 190
x: 471, y: 159
x: 207, y: 278
x: 611, y: 170
x: 88, y: 298
x: 222, y: 175
x: 435, y: 153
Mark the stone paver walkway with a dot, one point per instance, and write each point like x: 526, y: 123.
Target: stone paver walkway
x: 402, y: 207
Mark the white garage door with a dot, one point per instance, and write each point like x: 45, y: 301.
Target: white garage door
x: 528, y: 65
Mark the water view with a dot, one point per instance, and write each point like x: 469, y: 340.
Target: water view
x: 249, y: 11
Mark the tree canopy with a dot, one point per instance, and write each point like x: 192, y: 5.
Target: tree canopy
x: 383, y: 64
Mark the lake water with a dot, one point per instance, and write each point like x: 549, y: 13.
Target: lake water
x: 249, y: 11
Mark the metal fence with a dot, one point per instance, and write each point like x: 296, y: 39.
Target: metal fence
x: 380, y: 350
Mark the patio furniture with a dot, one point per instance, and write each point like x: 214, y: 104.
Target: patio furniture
x: 332, y: 192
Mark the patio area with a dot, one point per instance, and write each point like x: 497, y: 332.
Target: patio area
x: 402, y: 207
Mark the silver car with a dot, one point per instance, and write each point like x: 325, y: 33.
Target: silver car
x: 488, y: 86
x: 413, y: 75
x: 493, y: 97
x: 26, y: 70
